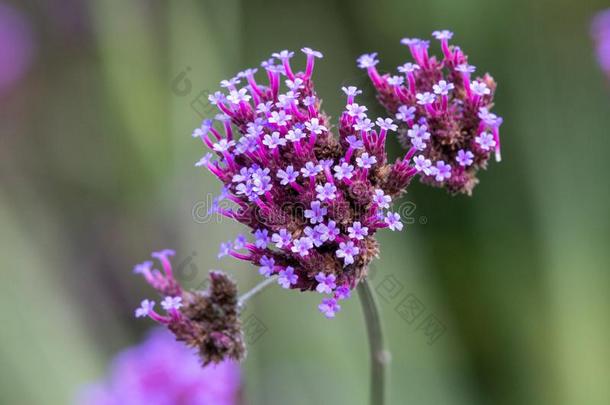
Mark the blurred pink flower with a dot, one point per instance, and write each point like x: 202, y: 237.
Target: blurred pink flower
x: 16, y: 46
x: 600, y: 30
x: 161, y: 371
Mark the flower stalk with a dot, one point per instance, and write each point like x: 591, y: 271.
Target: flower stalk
x: 255, y: 290
x: 380, y: 357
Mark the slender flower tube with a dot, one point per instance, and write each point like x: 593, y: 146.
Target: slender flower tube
x: 312, y: 195
x: 444, y: 114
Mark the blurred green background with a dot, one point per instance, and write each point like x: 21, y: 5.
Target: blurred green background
x: 96, y: 171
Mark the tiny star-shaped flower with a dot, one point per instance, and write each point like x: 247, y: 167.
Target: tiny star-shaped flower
x: 287, y: 277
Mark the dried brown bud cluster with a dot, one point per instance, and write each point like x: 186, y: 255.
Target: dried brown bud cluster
x: 205, y: 320
x: 211, y: 321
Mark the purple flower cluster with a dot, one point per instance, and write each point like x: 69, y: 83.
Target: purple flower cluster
x: 600, y: 30
x: 161, y: 371
x: 205, y: 320
x: 312, y: 198
x: 444, y: 115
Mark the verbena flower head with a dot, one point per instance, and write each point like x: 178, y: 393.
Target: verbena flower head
x: 312, y: 195
x: 600, y: 31
x: 161, y: 371
x: 207, y: 321
x: 444, y: 112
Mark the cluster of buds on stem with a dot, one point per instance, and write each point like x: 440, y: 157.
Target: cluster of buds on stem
x: 444, y: 115
x: 312, y: 195
x: 205, y: 320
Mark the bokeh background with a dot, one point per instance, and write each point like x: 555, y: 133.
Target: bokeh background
x: 96, y: 171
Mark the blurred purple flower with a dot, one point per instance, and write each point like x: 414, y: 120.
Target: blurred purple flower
x: 600, y: 30
x: 16, y: 46
x: 161, y: 371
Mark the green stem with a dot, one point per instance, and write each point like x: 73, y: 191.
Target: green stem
x: 255, y: 290
x: 380, y: 358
